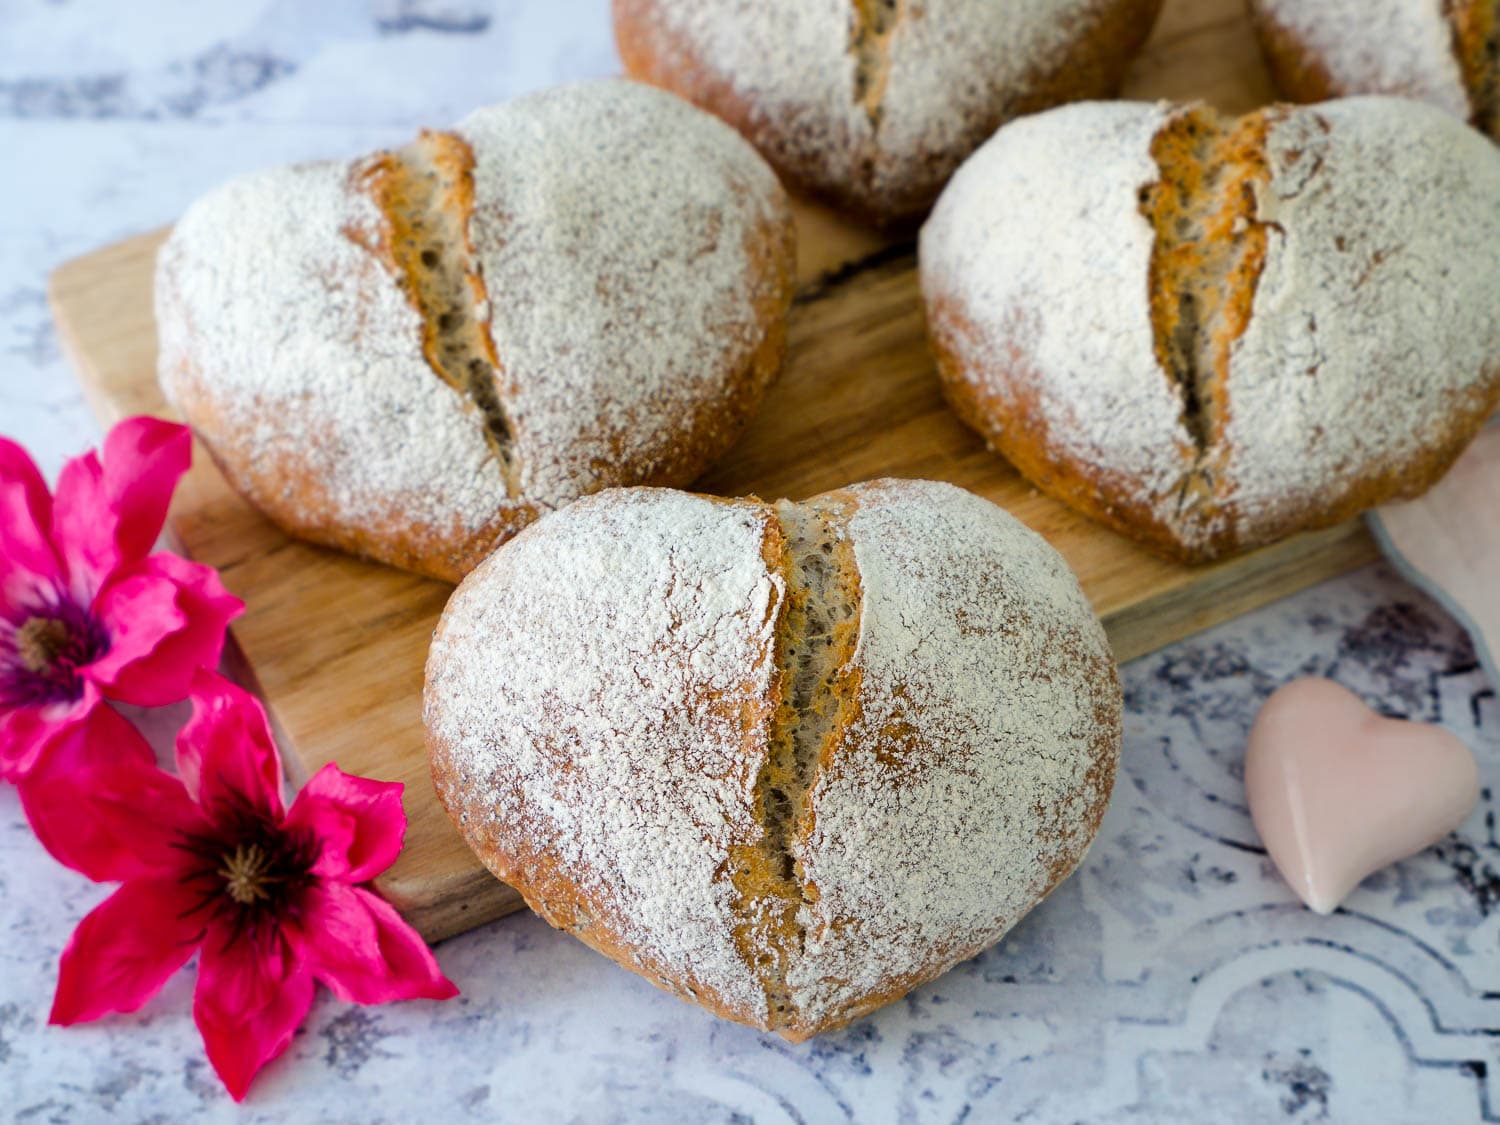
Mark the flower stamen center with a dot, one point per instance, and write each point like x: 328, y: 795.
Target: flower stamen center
x: 247, y: 875
x: 40, y: 641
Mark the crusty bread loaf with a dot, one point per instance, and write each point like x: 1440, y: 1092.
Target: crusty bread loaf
x: 1209, y: 334
x: 1445, y: 52
x: 411, y: 355
x: 788, y: 761
x: 873, y: 104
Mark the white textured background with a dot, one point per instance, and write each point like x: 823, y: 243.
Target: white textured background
x: 1173, y: 979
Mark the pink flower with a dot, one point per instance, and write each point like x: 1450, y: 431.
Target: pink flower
x: 268, y: 896
x: 86, y: 611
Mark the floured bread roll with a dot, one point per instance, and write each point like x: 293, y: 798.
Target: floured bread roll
x: 1211, y: 333
x: 788, y: 761
x: 1445, y: 52
x: 873, y: 103
x: 412, y: 355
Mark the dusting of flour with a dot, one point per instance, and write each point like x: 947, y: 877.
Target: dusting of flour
x: 1376, y: 315
x: 1372, y: 342
x: 1402, y: 47
x: 1040, y: 242
x: 953, y: 68
x: 588, y: 681
x: 599, y: 699
x: 612, y: 225
x: 298, y: 347
x: 982, y: 756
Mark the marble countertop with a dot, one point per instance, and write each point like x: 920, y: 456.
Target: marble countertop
x: 1174, y: 978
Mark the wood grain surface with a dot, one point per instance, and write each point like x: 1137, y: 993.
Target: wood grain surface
x: 336, y: 646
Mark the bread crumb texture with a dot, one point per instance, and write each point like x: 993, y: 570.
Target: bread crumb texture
x: 1212, y: 333
x: 418, y: 351
x: 787, y: 761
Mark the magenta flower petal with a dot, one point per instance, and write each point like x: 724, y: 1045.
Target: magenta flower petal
x: 17, y: 468
x: 25, y: 523
x: 250, y: 1000
x: 85, y: 795
x: 360, y: 822
x: 213, y: 861
x: 166, y: 618
x: 27, y: 732
x: 125, y: 949
x: 204, y: 607
x: 225, y: 752
x: 366, y: 952
x: 144, y: 459
x: 98, y: 738
x: 82, y: 525
x: 91, y: 819
x: 137, y: 613
x: 109, y: 513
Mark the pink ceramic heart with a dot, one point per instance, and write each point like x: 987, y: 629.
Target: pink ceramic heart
x: 1337, y: 792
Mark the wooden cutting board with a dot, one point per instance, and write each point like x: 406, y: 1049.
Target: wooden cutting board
x: 336, y: 646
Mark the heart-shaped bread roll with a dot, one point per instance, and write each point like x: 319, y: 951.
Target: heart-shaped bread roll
x: 1445, y: 53
x: 412, y: 355
x: 1210, y: 333
x: 874, y: 103
x: 786, y: 760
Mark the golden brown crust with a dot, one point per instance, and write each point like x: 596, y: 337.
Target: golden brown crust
x: 1206, y: 260
x: 1476, y: 43
x: 409, y: 214
x: 1301, y: 74
x: 831, y: 674
x: 713, y: 427
x: 1297, y: 71
x: 1093, y: 65
x: 297, y: 502
x: 1016, y: 429
x: 1015, y: 426
x: 650, y: 54
x: 527, y: 861
x: 1209, y: 251
x: 1465, y: 414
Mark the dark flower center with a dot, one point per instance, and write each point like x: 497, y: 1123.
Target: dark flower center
x: 41, y: 656
x: 249, y: 869
x: 40, y: 641
x: 249, y: 875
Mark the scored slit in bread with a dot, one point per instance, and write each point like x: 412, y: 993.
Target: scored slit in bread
x: 1211, y: 334
x: 794, y: 759
x: 1477, y: 29
x: 1206, y: 263
x: 426, y: 193
x: 1476, y: 47
x: 871, y: 24
x: 1492, y: 54
x: 814, y: 646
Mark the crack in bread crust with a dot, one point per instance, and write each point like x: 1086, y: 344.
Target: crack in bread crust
x: 1472, y: 24
x: 1477, y: 40
x: 872, y: 22
x: 1206, y: 262
x: 815, y: 641
x: 426, y: 193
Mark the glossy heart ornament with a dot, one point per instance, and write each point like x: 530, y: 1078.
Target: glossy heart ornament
x: 1337, y: 792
